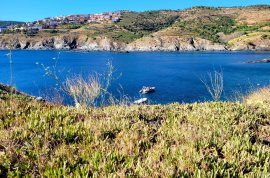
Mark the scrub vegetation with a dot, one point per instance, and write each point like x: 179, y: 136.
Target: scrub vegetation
x: 211, y: 139
x: 208, y: 27
x: 147, y: 22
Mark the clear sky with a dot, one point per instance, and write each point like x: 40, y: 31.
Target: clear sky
x: 29, y: 10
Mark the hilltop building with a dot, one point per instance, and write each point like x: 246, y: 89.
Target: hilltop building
x: 54, y: 22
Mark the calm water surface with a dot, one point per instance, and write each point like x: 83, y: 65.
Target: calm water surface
x: 175, y: 75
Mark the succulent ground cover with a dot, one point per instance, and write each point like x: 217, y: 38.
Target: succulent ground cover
x: 212, y: 139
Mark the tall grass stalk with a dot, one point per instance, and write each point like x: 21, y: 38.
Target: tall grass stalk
x: 10, y: 64
x: 92, y: 90
x: 10, y: 70
x: 107, y: 82
x: 214, y: 84
x: 83, y: 91
x: 53, y: 71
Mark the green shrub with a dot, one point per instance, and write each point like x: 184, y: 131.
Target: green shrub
x: 145, y: 22
x: 207, y: 27
x: 72, y: 26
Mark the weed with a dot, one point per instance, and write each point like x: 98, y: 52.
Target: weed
x: 215, y: 85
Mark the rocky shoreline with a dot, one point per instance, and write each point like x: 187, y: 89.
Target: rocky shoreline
x: 147, y: 44
x: 259, y: 61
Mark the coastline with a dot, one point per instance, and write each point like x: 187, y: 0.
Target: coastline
x: 145, y: 44
x: 133, y: 51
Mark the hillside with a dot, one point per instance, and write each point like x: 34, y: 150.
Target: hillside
x: 214, y: 139
x: 7, y: 23
x: 194, y: 29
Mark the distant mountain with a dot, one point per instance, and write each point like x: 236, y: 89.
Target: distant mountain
x: 7, y: 23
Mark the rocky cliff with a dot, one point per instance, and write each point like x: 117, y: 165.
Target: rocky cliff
x: 165, y: 43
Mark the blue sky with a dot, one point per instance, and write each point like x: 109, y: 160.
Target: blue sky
x: 29, y: 10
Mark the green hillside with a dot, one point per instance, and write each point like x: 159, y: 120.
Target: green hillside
x: 204, y: 22
x: 222, y: 26
x: 147, y: 22
x: 7, y: 23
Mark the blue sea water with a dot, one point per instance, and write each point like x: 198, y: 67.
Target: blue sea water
x: 176, y: 75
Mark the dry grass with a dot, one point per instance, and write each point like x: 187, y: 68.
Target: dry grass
x: 261, y: 95
x: 253, y: 16
x: 251, y: 37
x: 83, y: 91
x: 214, y: 84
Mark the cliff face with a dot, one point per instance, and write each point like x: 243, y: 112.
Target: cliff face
x: 163, y: 43
x: 71, y: 42
x: 172, y: 43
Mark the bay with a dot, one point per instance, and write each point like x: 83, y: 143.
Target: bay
x: 176, y: 75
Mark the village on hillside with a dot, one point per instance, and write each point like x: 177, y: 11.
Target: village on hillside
x: 54, y: 22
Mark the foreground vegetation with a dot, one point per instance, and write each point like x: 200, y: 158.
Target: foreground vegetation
x: 214, y: 139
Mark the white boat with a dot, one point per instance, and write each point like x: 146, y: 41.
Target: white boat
x: 146, y: 90
x: 141, y: 101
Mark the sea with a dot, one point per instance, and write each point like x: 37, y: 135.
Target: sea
x: 177, y: 76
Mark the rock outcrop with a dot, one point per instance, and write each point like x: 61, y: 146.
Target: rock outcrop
x: 172, y: 43
x: 149, y: 43
x: 255, y: 45
x: 65, y: 42
x: 257, y: 41
x: 82, y: 42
